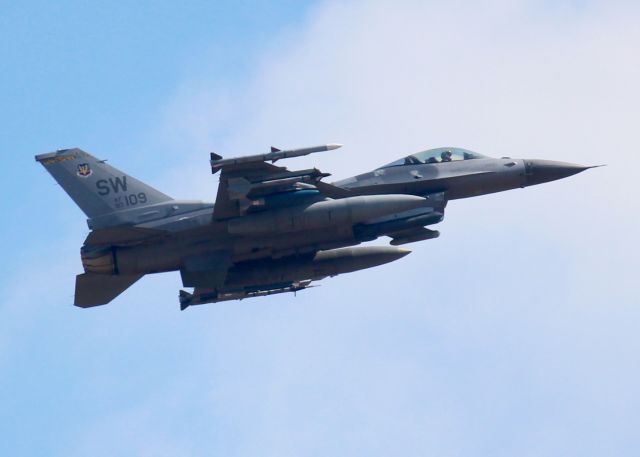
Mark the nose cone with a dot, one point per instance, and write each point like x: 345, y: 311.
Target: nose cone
x: 540, y: 171
x: 398, y: 253
x: 378, y: 255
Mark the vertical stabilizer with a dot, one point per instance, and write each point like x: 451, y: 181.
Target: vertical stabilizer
x: 98, y: 188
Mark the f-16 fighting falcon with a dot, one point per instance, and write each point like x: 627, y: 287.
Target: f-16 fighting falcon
x: 271, y: 230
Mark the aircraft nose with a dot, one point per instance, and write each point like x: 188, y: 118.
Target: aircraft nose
x: 540, y: 171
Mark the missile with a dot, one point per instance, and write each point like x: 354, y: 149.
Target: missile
x: 327, y: 213
x: 187, y: 299
x: 240, y: 187
x: 286, y: 199
x: 217, y: 162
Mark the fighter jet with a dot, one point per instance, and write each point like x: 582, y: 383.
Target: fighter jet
x: 271, y: 230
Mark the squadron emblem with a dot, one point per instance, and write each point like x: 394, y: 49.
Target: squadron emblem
x: 84, y: 170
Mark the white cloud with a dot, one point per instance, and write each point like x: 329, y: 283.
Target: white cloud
x: 503, y: 336
x: 511, y: 334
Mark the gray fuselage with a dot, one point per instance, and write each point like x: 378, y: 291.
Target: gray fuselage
x: 453, y: 180
x: 457, y: 179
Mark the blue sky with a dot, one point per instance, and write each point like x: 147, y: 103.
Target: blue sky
x: 515, y: 333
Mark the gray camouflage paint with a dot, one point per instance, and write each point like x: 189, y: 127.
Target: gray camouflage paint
x: 271, y: 230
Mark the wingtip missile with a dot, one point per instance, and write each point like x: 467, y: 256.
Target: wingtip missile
x: 275, y: 154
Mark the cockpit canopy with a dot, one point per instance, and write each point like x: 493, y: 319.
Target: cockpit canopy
x: 437, y: 155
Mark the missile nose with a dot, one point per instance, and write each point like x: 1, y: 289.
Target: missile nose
x: 541, y: 171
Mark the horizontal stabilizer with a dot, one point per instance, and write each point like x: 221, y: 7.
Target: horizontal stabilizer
x: 94, y: 289
x: 121, y: 235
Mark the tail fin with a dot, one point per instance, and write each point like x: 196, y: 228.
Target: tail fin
x: 97, y: 188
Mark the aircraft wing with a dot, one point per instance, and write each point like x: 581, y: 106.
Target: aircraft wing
x: 245, y: 182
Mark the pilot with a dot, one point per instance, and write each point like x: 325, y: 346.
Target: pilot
x: 411, y: 160
x: 446, y: 156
